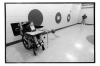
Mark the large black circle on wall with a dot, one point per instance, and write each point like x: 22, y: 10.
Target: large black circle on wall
x: 36, y: 17
x: 68, y: 17
x: 58, y: 17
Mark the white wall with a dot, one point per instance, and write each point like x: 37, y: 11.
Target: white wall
x: 90, y: 15
x: 19, y: 13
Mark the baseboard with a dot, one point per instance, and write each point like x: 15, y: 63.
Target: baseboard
x: 86, y: 7
x: 14, y: 42
x: 89, y: 24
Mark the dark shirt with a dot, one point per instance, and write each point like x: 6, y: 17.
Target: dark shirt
x: 84, y: 16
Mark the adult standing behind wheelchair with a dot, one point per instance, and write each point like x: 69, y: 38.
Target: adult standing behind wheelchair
x: 32, y: 42
x: 83, y: 19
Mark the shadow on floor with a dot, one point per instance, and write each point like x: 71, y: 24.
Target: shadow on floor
x: 27, y: 54
x: 90, y: 38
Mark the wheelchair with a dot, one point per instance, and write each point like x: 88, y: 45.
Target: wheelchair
x: 28, y: 40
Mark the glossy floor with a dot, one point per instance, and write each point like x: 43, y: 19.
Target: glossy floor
x: 71, y: 46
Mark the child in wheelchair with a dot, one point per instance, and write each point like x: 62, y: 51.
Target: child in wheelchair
x: 32, y: 42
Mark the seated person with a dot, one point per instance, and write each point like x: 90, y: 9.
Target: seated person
x: 37, y: 38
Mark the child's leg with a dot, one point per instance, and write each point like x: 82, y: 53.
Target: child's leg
x: 40, y: 39
x: 35, y: 38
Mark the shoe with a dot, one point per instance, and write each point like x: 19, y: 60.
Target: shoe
x: 41, y: 42
x: 38, y: 45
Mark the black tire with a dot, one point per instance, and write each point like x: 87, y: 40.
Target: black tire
x: 25, y: 43
x: 43, y: 48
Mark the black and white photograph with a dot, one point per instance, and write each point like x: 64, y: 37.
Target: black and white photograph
x: 49, y: 32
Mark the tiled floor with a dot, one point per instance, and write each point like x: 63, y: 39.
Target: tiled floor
x: 71, y: 46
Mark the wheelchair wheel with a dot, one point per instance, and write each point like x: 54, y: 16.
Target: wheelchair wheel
x: 26, y: 42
